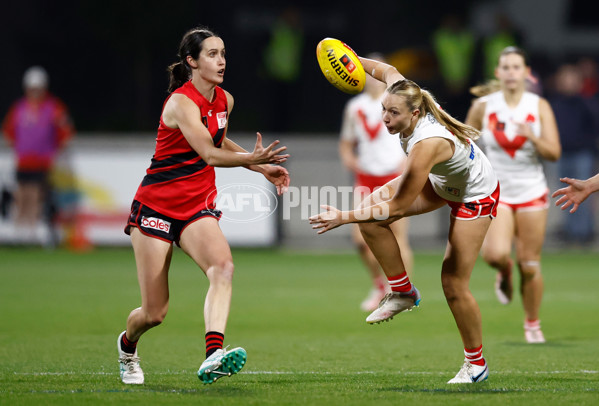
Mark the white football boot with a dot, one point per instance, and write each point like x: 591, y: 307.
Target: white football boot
x: 222, y: 363
x: 131, y: 372
x: 394, y: 303
x: 533, y: 335
x: 470, y: 373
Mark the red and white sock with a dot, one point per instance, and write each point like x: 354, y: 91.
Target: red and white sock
x: 475, y: 356
x: 400, y: 283
x: 532, y: 324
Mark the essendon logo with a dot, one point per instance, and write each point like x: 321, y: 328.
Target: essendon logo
x: 156, y: 224
x: 349, y: 65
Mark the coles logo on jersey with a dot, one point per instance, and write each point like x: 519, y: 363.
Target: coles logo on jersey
x: 156, y: 224
x: 221, y: 118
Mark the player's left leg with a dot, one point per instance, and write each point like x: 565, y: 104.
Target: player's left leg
x: 205, y: 243
x: 383, y: 244
x: 463, y: 246
x: 379, y: 283
x: 530, y: 235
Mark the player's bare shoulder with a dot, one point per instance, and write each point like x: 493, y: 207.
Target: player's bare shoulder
x: 176, y: 105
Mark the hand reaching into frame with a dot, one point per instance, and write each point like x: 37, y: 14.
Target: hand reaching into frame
x: 327, y: 220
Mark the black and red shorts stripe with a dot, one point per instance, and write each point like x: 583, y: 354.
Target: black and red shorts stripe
x: 157, y: 225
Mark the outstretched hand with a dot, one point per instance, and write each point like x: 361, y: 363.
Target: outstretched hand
x: 268, y: 155
x: 571, y: 195
x: 278, y: 176
x: 327, y: 220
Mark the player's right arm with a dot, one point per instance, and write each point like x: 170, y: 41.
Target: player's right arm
x: 475, y: 115
x: 347, y: 143
x: 381, y: 71
x: 181, y: 112
x: 423, y: 156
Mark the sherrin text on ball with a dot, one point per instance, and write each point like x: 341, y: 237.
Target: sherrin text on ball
x: 340, y: 65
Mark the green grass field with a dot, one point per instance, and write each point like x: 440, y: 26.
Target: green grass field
x: 297, y: 315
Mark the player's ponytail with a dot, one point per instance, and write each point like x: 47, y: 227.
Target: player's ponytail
x: 179, y: 73
x: 191, y: 45
x: 417, y: 98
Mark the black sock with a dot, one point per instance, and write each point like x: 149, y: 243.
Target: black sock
x: 214, y: 341
x: 128, y: 346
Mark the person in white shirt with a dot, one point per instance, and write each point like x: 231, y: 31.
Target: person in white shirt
x: 444, y: 167
x: 518, y: 131
x: 374, y: 157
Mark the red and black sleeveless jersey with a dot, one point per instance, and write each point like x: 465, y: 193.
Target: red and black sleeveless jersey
x: 179, y: 183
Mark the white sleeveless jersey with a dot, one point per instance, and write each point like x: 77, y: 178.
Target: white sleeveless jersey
x: 467, y: 176
x: 513, y: 156
x: 379, y: 153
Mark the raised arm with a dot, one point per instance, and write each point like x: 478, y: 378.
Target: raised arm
x: 381, y: 71
x: 180, y: 112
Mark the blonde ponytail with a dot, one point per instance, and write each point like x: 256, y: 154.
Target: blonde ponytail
x: 489, y: 87
x: 417, y: 98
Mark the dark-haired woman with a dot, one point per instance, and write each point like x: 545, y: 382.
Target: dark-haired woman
x: 444, y: 167
x: 518, y: 132
x: 176, y: 203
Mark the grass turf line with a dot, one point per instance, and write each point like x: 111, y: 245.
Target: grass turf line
x: 297, y: 316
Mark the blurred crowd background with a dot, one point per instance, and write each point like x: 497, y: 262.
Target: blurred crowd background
x: 107, y: 60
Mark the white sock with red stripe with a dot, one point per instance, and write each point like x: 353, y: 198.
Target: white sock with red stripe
x: 475, y: 356
x: 532, y: 324
x: 400, y: 283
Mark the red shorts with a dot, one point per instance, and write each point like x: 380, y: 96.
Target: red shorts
x: 478, y: 208
x: 373, y: 182
x: 540, y: 203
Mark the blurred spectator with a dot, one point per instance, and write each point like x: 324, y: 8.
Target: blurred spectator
x: 454, y: 46
x: 504, y: 35
x: 578, y: 138
x: 589, y: 70
x: 37, y: 126
x: 282, y: 62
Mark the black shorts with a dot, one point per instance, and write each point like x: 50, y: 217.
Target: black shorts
x: 39, y: 177
x: 157, y: 225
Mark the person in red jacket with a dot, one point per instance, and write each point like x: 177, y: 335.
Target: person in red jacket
x: 176, y: 202
x: 37, y: 126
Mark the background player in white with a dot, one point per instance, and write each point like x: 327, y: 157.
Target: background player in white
x: 374, y: 157
x: 518, y: 131
x: 444, y: 167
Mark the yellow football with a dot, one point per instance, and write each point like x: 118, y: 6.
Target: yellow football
x: 340, y: 65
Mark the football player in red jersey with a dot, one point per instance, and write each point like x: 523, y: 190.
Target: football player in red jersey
x: 518, y: 131
x: 175, y: 202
